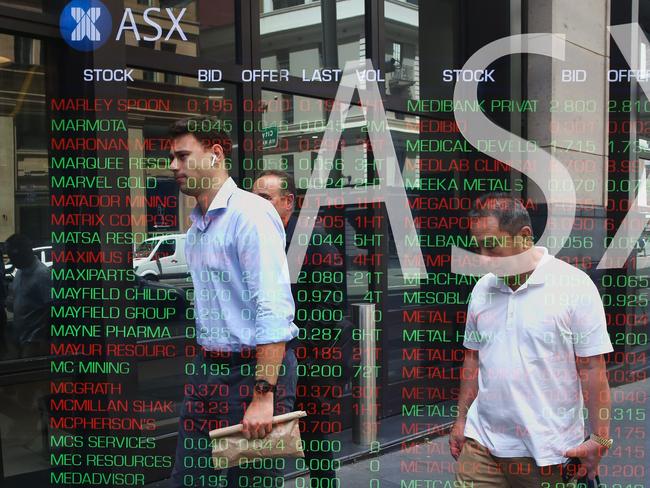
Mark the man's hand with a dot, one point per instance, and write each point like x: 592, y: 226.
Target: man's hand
x: 258, y: 417
x: 457, y: 438
x: 589, y: 453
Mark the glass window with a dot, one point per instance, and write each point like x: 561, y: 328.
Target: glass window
x: 413, y: 70
x: 208, y: 25
x: 166, y: 249
x: 24, y: 297
x: 293, y: 32
x: 625, y: 290
x: 162, y: 100
x: 144, y: 249
x: 416, y: 71
x: 335, y: 272
x: 278, y: 4
x: 155, y: 99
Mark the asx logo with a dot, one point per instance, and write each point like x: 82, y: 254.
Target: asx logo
x: 87, y: 24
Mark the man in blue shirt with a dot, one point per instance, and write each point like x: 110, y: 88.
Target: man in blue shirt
x: 243, y: 306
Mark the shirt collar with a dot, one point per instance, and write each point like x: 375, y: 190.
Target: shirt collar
x: 223, y: 195
x: 219, y: 201
x: 537, y: 277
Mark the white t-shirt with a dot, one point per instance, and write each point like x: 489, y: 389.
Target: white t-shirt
x: 529, y: 401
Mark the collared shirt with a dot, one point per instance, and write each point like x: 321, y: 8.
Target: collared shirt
x: 235, y: 254
x: 529, y: 401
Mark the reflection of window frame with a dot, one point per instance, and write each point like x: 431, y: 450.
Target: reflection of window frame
x: 288, y: 115
x: 282, y: 4
x: 167, y: 242
x: 282, y: 59
x: 643, y: 177
x: 23, y: 50
x: 397, y: 52
x: 169, y: 47
x: 148, y: 75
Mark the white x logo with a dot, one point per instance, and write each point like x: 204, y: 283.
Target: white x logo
x: 86, y: 24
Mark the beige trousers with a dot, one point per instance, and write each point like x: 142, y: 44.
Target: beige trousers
x: 477, y: 468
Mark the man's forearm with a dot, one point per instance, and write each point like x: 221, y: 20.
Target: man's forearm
x: 258, y: 416
x: 269, y: 361
x: 596, y: 393
x: 468, y: 383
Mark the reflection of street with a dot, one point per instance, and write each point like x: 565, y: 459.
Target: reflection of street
x: 396, y: 284
x: 24, y: 409
x: 430, y: 461
x: 625, y: 464
x: 24, y: 447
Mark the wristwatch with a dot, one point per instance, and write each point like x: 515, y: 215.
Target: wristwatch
x: 263, y: 386
x: 606, y: 443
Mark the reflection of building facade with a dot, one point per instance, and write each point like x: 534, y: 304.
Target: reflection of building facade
x: 411, y: 43
x: 25, y: 135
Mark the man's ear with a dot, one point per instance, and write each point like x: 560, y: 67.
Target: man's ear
x: 527, y: 234
x: 290, y: 200
x: 217, y: 150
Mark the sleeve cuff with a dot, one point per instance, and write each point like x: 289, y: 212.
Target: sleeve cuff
x: 273, y: 332
x: 594, y: 350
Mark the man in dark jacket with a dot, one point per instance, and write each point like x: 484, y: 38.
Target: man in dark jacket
x: 314, y: 301
x: 29, y: 298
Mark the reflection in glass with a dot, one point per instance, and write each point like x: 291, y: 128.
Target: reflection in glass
x: 24, y: 287
x: 412, y: 69
x: 293, y: 32
x: 159, y: 103
x: 401, y: 57
x: 208, y: 25
x: 144, y: 249
x: 35, y: 5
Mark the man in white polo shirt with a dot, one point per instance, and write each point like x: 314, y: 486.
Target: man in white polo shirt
x: 535, y: 344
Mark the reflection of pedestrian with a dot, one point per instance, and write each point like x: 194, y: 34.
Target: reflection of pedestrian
x: 3, y: 312
x: 29, y: 298
x: 243, y: 308
x: 535, y: 347
x: 279, y: 188
x: 640, y: 245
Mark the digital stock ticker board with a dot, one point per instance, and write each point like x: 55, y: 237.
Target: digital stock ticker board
x: 419, y: 228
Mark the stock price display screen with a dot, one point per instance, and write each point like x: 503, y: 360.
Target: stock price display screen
x: 420, y: 226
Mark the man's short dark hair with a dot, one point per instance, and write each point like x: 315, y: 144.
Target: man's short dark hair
x: 288, y: 186
x: 206, y: 128
x: 506, y: 208
x: 19, y: 242
x: 19, y: 245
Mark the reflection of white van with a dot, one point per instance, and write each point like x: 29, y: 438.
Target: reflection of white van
x: 161, y: 256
